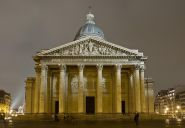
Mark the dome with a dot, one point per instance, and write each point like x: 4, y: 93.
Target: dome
x: 89, y: 28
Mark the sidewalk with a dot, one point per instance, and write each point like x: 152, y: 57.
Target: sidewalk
x: 94, y: 124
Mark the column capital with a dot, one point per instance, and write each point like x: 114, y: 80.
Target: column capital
x: 62, y: 67
x: 118, y: 66
x: 37, y: 68
x: 142, y: 68
x: 44, y: 67
x: 80, y: 67
x: 99, y: 66
x: 137, y: 67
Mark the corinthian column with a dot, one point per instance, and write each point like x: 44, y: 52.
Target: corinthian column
x: 118, y: 89
x: 137, y: 89
x: 80, y: 89
x: 62, y: 89
x: 28, y: 96
x: 43, y: 90
x: 131, y: 93
x: 143, y: 101
x: 99, y: 88
x: 36, y: 92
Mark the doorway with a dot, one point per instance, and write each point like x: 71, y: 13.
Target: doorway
x: 56, y: 107
x: 123, y: 107
x: 90, y: 105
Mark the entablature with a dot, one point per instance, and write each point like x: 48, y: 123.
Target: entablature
x: 89, y: 62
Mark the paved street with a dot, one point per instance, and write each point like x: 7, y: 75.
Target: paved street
x: 92, y: 124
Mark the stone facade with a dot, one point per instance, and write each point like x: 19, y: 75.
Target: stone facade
x: 87, y: 75
x: 5, y: 102
x: 171, y: 101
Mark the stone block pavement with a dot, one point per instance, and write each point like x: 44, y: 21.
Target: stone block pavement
x: 93, y: 124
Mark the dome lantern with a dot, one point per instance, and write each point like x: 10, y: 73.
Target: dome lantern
x: 90, y: 18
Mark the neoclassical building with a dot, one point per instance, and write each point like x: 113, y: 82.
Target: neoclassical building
x: 88, y: 75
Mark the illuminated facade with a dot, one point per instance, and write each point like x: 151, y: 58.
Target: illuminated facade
x: 5, y: 101
x: 161, y: 102
x: 88, y: 76
x: 171, y: 101
x: 180, y: 102
x: 165, y: 101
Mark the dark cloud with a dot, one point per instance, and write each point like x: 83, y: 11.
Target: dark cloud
x: 155, y: 27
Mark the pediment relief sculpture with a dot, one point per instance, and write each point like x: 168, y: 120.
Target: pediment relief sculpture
x: 89, y: 47
x: 86, y: 49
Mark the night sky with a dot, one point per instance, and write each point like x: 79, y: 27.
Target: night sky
x: 154, y: 27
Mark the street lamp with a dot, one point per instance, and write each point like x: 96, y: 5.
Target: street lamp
x: 166, y: 110
x: 178, y: 107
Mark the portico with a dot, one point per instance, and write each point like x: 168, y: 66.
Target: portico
x: 70, y: 85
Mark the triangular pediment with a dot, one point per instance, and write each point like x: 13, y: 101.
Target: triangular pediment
x: 90, y: 46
